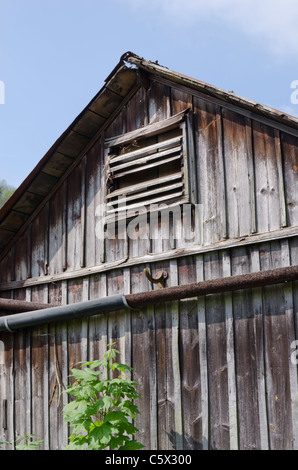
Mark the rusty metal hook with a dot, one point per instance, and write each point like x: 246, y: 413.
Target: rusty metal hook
x: 160, y: 279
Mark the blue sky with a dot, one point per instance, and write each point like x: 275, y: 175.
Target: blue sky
x: 56, y: 54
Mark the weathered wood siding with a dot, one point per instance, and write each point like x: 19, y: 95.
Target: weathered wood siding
x: 214, y: 373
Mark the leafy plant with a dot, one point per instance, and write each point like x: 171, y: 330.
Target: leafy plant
x: 102, y: 408
x: 29, y: 444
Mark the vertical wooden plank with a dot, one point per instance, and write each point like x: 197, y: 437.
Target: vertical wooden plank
x: 203, y: 356
x: 210, y: 163
x: 218, y: 385
x: 75, y: 223
x: 39, y: 234
x: 83, y: 214
x: 6, y: 267
x: 257, y: 308
x: 290, y: 161
x: 269, y: 179
x: 144, y: 363
x: 280, y: 177
x: 6, y: 389
x: 246, y: 357
x: 58, y: 371
x: 94, y: 241
x: 277, y: 344
x: 57, y: 231
x: 22, y: 365
x: 239, y: 174
x: 76, y: 327
x: 290, y: 323
x: 22, y: 257
x: 98, y: 325
x: 293, y: 245
x: 174, y: 386
x: 190, y: 361
x: 22, y: 373
x: 167, y: 435
x: 39, y: 374
x: 116, y: 323
x: 124, y: 319
x: 229, y: 325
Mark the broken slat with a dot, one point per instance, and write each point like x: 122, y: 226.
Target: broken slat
x: 147, y: 131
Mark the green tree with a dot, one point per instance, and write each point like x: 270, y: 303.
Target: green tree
x: 6, y: 192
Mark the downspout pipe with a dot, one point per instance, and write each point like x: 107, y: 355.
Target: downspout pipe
x: 140, y: 300
x: 63, y: 313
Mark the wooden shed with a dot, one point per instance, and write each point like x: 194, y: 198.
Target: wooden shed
x: 217, y: 365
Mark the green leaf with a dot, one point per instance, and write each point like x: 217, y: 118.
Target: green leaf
x: 100, y: 363
x: 115, y: 417
x: 84, y: 374
x: 107, y: 402
x: 95, y: 407
x: 77, y: 443
x: 121, y: 367
x: 73, y: 411
x: 88, y: 391
x: 131, y: 445
x: 101, y: 434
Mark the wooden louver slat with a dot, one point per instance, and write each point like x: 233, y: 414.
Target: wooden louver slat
x: 146, y: 203
x: 142, y: 152
x: 162, y: 189
x: 144, y: 185
x: 142, y: 161
x: 146, y: 167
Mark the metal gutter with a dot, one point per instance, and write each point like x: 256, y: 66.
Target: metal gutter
x: 120, y: 302
x: 63, y: 313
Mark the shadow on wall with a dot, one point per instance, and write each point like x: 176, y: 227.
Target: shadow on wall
x: 187, y: 442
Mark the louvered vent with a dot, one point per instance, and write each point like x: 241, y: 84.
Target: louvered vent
x: 146, y: 167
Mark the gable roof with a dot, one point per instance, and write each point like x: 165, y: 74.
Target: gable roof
x: 65, y: 153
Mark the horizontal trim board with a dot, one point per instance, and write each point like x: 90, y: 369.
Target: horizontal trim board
x: 172, y: 254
